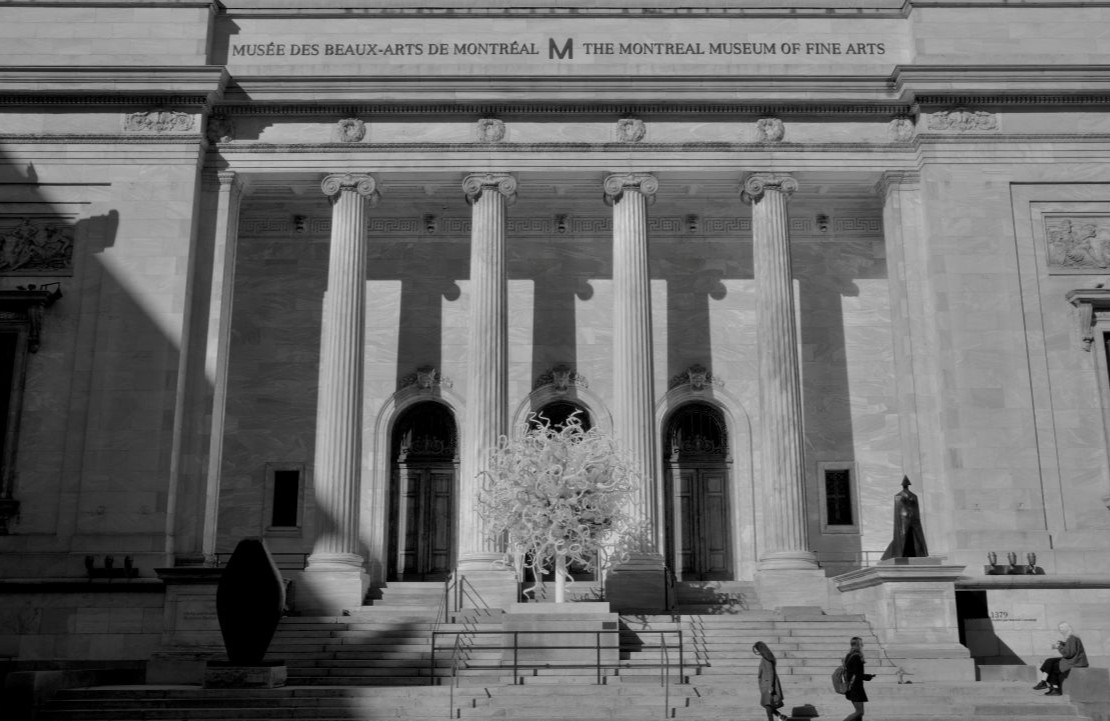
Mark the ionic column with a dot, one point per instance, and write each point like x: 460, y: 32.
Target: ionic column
x: 487, y: 377
x: 639, y: 581
x: 785, y: 534
x: 336, y: 556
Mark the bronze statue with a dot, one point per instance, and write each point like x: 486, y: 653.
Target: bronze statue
x: 909, y: 539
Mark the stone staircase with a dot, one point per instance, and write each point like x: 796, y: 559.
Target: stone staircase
x: 379, y: 663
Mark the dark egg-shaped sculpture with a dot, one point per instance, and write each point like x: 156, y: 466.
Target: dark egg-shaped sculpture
x: 249, y: 602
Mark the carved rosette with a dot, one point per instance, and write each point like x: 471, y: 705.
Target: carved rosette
x: 963, y: 121
x: 475, y: 185
x: 770, y: 130
x: 490, y: 130
x: 615, y: 186
x: 219, y: 129
x: 364, y: 185
x: 350, y: 130
x: 159, y: 121
x: 756, y: 185
x: 631, y: 130
x: 901, y: 129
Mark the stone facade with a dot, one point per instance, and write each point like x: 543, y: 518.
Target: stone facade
x: 946, y: 230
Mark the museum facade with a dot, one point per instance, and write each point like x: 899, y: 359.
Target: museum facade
x: 291, y: 270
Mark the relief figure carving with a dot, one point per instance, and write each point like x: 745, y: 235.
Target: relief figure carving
x: 1078, y: 242
x: 29, y: 247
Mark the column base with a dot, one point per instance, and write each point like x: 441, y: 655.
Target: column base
x: 639, y: 584
x: 329, y: 591
x: 779, y: 588
x: 788, y: 561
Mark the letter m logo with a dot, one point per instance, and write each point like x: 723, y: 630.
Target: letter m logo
x: 554, y: 53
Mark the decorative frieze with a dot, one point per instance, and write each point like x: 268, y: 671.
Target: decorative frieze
x: 1078, y: 243
x: 963, y: 121
x: 901, y: 129
x: 569, y: 227
x: 33, y: 248
x: 159, y: 121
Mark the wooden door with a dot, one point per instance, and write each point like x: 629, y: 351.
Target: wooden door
x: 425, y: 521
x: 699, y: 535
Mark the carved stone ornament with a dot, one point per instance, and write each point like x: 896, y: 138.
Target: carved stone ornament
x: 697, y: 376
x: 474, y: 185
x: 631, y: 130
x: 963, y: 121
x: 364, y: 185
x: 1078, y: 243
x: 35, y: 249
x: 901, y: 129
x: 770, y: 130
x: 616, y: 185
x: 490, y: 130
x: 758, y: 184
x: 561, y: 377
x: 159, y: 121
x: 350, y: 130
x: 425, y: 378
x: 1089, y: 304
x: 220, y: 129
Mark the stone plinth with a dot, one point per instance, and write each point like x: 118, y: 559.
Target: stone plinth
x: 225, y: 675
x: 190, y: 629
x: 638, y: 584
x: 911, y: 604
x: 561, y: 634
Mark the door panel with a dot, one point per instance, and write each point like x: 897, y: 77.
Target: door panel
x: 699, y: 523
x: 425, y: 521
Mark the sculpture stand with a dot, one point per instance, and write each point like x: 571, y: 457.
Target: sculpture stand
x: 912, y: 604
x: 223, y: 674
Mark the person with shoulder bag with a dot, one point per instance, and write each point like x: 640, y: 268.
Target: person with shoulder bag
x: 770, y: 690
x: 854, y: 665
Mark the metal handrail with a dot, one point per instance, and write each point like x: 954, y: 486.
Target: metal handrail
x: 665, y: 671
x: 516, y: 647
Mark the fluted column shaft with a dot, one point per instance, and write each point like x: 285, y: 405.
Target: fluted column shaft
x: 339, y: 404
x: 633, y: 376
x: 487, y: 378
x: 785, y: 533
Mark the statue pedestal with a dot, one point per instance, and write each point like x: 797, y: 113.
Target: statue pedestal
x: 639, y: 584
x: 220, y: 674
x: 911, y: 603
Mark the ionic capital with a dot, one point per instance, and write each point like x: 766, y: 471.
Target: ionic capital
x: 757, y: 184
x: 475, y: 185
x: 364, y: 185
x: 616, y: 185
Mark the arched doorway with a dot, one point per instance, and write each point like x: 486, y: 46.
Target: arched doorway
x: 424, y: 476
x: 557, y: 413
x: 697, y: 469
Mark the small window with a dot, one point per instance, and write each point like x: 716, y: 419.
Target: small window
x: 283, y: 508
x: 837, y: 483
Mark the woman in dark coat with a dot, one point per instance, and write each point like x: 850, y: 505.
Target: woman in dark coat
x: 770, y: 691
x: 853, y: 664
x: 1072, y: 655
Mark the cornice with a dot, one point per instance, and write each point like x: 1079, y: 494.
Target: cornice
x: 36, y: 85
x: 235, y: 148
x: 70, y: 138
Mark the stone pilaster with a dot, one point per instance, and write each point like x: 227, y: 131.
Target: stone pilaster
x: 785, y: 532
x: 640, y: 581
x: 216, y: 350
x: 335, y: 576
x: 487, y: 384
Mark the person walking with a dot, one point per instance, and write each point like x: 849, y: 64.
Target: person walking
x: 1072, y: 655
x: 854, y: 665
x: 770, y: 690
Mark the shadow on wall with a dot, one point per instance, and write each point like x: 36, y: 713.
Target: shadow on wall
x: 977, y: 632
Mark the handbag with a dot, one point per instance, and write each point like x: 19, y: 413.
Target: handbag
x: 776, y: 701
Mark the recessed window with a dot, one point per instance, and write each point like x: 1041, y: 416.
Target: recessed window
x: 283, y: 508
x: 837, y: 484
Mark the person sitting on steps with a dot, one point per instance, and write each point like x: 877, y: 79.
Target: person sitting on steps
x: 1056, y: 670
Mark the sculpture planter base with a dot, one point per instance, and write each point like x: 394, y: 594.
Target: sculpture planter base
x: 221, y: 674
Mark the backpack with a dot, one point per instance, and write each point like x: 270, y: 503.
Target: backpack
x: 840, y: 679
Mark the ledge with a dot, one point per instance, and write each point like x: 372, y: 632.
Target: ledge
x: 81, y: 585
x: 988, y: 583
x: 103, y: 84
